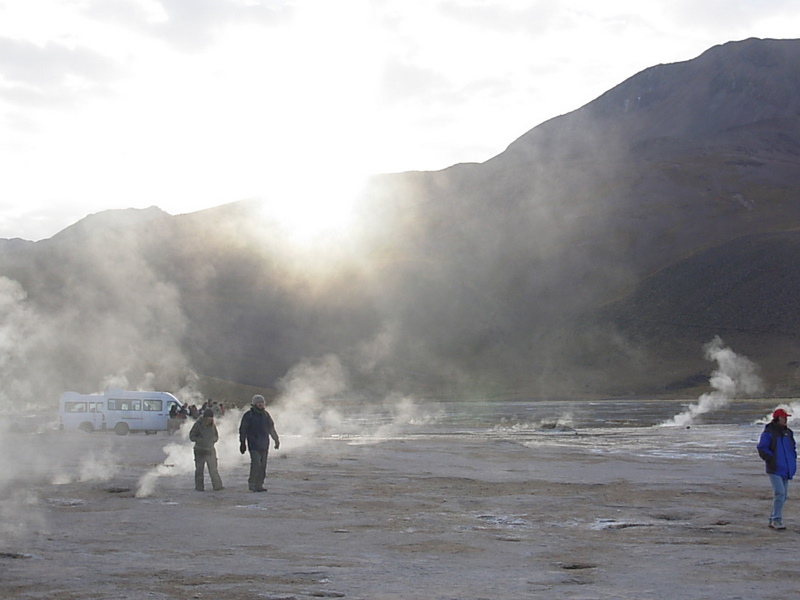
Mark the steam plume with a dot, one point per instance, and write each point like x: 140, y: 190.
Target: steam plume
x: 307, y: 403
x: 180, y: 456
x: 734, y: 377
x: 316, y: 399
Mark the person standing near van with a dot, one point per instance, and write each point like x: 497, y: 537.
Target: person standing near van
x: 204, y: 434
x: 778, y: 450
x: 255, y: 430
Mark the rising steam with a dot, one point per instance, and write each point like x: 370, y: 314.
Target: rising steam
x: 314, y: 403
x: 735, y: 376
x: 180, y: 456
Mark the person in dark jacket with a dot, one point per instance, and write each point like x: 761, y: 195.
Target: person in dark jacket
x: 255, y: 430
x: 778, y: 450
x: 204, y: 434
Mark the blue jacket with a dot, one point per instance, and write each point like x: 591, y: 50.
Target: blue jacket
x: 778, y: 450
x: 256, y: 428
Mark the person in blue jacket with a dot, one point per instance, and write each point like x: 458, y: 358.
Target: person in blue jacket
x: 778, y: 450
x: 255, y: 430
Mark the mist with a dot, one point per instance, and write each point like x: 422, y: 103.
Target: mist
x: 556, y: 269
x: 179, y: 461
x: 103, y: 318
x: 98, y: 317
x: 47, y: 457
x: 734, y: 377
x: 315, y: 403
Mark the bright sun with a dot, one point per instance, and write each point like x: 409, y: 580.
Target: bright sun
x: 313, y: 204
x: 322, y: 131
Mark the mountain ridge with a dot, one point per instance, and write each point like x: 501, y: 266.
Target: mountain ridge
x: 585, y: 260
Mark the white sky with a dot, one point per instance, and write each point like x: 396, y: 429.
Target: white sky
x: 188, y: 104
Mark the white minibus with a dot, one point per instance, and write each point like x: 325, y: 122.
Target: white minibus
x: 120, y: 410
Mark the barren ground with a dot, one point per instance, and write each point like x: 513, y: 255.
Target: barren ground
x: 431, y: 518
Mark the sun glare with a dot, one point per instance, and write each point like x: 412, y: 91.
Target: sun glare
x: 321, y: 135
x: 313, y: 205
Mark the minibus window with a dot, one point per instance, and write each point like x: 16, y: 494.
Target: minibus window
x: 152, y: 405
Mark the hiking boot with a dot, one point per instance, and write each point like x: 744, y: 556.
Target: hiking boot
x: 776, y: 524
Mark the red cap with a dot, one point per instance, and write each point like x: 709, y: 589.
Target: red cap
x: 780, y: 413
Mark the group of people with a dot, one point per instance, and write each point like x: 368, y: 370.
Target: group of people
x: 255, y: 430
x: 187, y: 411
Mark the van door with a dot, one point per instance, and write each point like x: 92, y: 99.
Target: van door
x: 74, y: 414
x: 155, y: 413
x: 97, y: 416
x: 125, y: 415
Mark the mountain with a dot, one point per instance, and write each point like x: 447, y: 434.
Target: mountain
x: 594, y: 257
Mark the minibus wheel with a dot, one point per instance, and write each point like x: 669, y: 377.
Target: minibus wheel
x: 121, y: 429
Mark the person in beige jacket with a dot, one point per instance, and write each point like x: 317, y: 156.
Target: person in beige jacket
x: 204, y: 434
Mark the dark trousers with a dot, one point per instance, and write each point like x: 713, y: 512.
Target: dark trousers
x: 258, y: 469
x: 201, y: 459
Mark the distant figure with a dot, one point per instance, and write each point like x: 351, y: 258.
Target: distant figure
x: 778, y: 450
x: 255, y: 430
x: 173, y: 424
x: 204, y: 434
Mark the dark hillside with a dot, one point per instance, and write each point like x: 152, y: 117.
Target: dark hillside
x: 594, y: 257
x: 744, y: 291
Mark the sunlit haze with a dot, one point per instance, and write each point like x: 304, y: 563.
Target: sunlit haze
x: 190, y: 105
x: 308, y: 205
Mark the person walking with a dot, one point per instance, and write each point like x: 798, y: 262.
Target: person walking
x: 204, y: 434
x: 255, y: 430
x: 778, y: 450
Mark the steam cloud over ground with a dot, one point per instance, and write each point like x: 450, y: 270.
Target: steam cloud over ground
x: 315, y: 403
x: 735, y: 376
